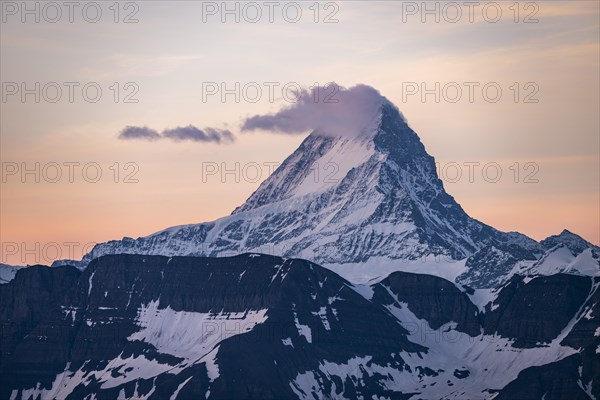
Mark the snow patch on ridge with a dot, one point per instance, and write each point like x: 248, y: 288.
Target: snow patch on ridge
x: 561, y: 259
x: 191, y: 335
x: 303, y: 330
x: 307, y: 385
x: 482, y: 297
x: 329, y: 169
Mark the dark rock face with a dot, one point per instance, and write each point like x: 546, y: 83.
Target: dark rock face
x: 558, y: 380
x: 461, y: 374
x: 535, y: 312
x: 257, y: 326
x: 32, y: 326
x: 585, y: 333
x: 82, y: 322
x: 430, y: 298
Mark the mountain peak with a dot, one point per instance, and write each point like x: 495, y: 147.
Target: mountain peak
x: 324, y: 161
x: 362, y: 201
x: 378, y: 183
x: 575, y: 243
x: 567, y: 233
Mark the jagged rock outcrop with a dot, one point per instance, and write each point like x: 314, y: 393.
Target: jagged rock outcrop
x: 430, y: 298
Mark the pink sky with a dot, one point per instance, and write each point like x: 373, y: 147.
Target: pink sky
x: 170, y: 53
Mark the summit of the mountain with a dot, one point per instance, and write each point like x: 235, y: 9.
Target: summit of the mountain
x: 338, y: 199
x: 364, y: 203
x: 575, y: 243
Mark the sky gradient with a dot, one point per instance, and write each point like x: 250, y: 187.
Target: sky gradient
x: 548, y: 150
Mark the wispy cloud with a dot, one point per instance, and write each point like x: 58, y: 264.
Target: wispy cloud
x: 138, y: 133
x: 331, y: 110
x: 179, y: 134
x: 194, y: 134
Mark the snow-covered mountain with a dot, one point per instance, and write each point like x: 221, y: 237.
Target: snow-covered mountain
x: 257, y: 326
x: 140, y: 319
x: 564, y: 253
x: 363, y: 205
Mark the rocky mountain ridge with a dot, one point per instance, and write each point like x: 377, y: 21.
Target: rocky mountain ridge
x: 154, y: 327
